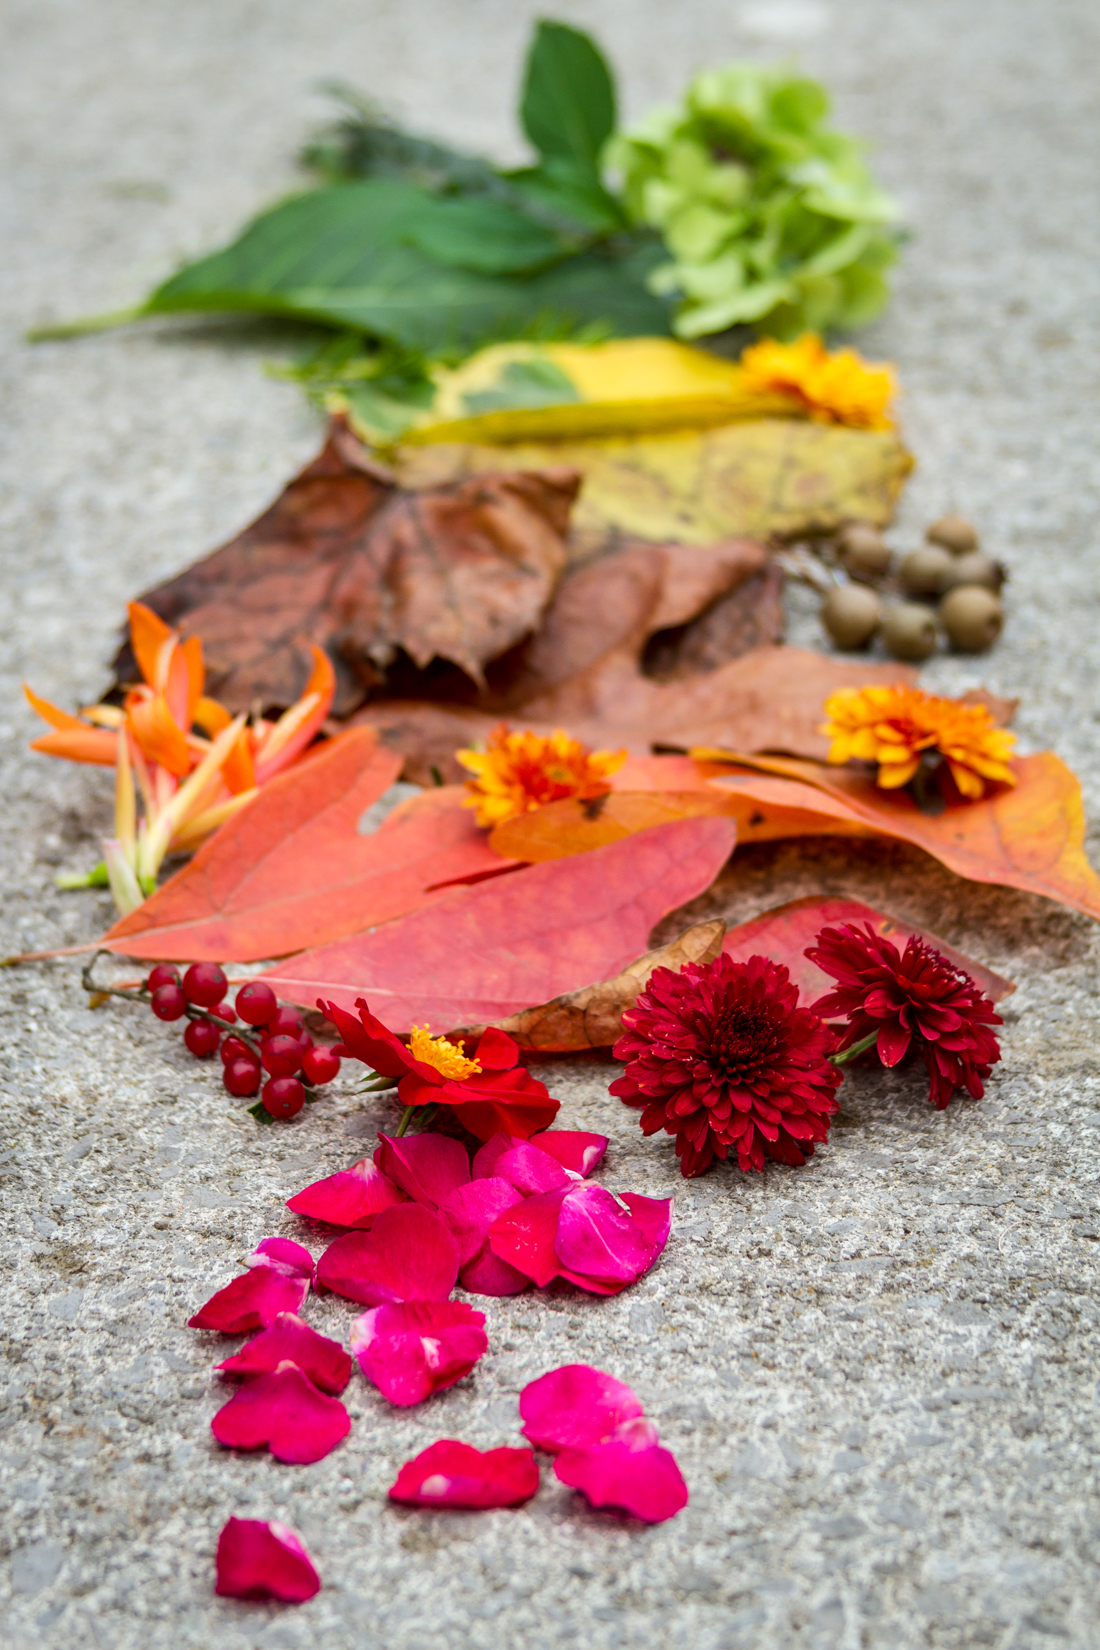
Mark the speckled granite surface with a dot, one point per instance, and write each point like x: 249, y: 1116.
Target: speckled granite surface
x: 879, y: 1373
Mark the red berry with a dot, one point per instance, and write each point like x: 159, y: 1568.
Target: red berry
x: 281, y: 1056
x: 168, y: 1002
x: 320, y: 1065
x: 285, y: 1022
x: 284, y: 1096
x: 224, y: 1012
x: 162, y: 974
x: 202, y: 1038
x: 235, y: 1048
x: 204, y: 984
x: 256, y: 1003
x: 242, y: 1077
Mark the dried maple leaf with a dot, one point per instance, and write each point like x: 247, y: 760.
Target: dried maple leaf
x: 592, y: 1017
x: 350, y: 562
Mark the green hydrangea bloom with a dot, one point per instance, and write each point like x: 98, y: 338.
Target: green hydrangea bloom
x: 769, y: 217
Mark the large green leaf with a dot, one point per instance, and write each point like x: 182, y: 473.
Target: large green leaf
x: 568, y: 103
x: 485, y: 235
x: 347, y: 256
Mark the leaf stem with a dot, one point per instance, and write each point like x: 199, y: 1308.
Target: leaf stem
x: 88, y: 324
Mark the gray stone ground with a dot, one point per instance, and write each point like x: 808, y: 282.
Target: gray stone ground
x: 879, y: 1373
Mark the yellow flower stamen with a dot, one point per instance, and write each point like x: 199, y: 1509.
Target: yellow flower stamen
x: 893, y: 726
x: 447, y: 1058
x: 520, y: 771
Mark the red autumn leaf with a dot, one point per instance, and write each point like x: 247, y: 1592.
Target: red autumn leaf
x: 1029, y: 836
x: 292, y: 869
x: 347, y: 561
x: 485, y: 952
x: 785, y: 933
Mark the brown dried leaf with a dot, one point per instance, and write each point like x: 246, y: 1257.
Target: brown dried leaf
x: 592, y: 1017
x: 346, y: 560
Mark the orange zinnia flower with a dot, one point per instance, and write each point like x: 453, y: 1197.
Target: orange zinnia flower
x: 836, y: 387
x: 194, y: 764
x: 521, y: 771
x: 895, y: 726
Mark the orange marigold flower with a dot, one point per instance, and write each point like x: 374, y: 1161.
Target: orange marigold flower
x: 836, y: 387
x: 520, y: 771
x: 895, y: 726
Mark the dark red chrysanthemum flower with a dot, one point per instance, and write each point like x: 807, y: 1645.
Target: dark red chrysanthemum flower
x: 917, y: 995
x: 721, y: 1055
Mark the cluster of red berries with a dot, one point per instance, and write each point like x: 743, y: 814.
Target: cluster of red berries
x: 275, y: 1040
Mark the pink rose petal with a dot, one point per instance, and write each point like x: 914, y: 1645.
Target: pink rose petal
x: 573, y: 1148
x: 524, y: 1237
x: 451, y: 1474
x: 487, y: 1274
x: 322, y: 1361
x: 414, y: 1349
x: 599, y: 1240
x: 426, y: 1166
x: 574, y: 1406
x: 470, y: 1211
x: 408, y: 1255
x: 256, y: 1559
x: 278, y: 1279
x: 654, y: 1219
x: 286, y: 1412
x: 630, y: 1470
x: 530, y: 1170
x: 485, y: 1157
x: 352, y: 1197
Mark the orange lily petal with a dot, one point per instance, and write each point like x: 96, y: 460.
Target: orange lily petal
x: 159, y: 737
x: 238, y: 770
x: 148, y: 634
x: 79, y: 744
x: 191, y: 650
x: 50, y: 713
x: 210, y: 716
x: 298, y: 726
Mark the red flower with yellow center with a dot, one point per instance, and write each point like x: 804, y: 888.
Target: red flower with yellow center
x: 721, y: 1055
x: 913, y: 999
x: 517, y: 772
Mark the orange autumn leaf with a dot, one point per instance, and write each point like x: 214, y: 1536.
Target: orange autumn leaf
x: 576, y: 826
x: 1030, y: 837
x: 292, y: 868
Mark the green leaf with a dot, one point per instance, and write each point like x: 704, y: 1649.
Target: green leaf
x: 485, y: 235
x: 568, y: 101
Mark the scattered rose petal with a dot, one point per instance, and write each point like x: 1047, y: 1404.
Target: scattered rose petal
x: 286, y: 1412
x: 451, y: 1474
x: 278, y: 1279
x: 470, y: 1211
x: 530, y: 1170
x: 628, y: 1470
x: 574, y: 1406
x: 256, y: 1559
x: 524, y: 1237
x: 352, y: 1197
x: 487, y: 1274
x: 574, y: 1149
x: 322, y: 1361
x: 416, y: 1348
x: 598, y: 1241
x: 654, y: 1217
x: 426, y: 1166
x: 408, y: 1255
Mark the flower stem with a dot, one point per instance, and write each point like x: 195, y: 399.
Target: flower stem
x: 847, y: 1054
x: 406, y: 1119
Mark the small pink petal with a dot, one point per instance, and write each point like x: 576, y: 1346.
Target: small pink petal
x: 322, y: 1361
x: 574, y: 1406
x: 487, y: 1274
x: 574, y: 1149
x: 496, y: 1051
x: 256, y: 1559
x: 408, y: 1255
x: 524, y: 1237
x: 629, y: 1470
x: 653, y: 1216
x: 598, y: 1239
x: 286, y: 1412
x: 352, y: 1197
x: 251, y: 1301
x: 451, y: 1474
x: 414, y: 1349
x: 470, y: 1211
x: 288, y: 1257
x: 485, y: 1158
x: 426, y: 1166
x: 530, y: 1170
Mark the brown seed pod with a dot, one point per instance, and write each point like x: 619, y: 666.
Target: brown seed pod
x: 974, y: 568
x: 972, y: 617
x: 863, y: 552
x: 954, y: 533
x: 909, y: 631
x: 923, y: 571
x: 851, y: 615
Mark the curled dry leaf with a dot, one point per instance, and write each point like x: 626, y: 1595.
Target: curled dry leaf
x: 347, y: 560
x: 592, y: 1018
